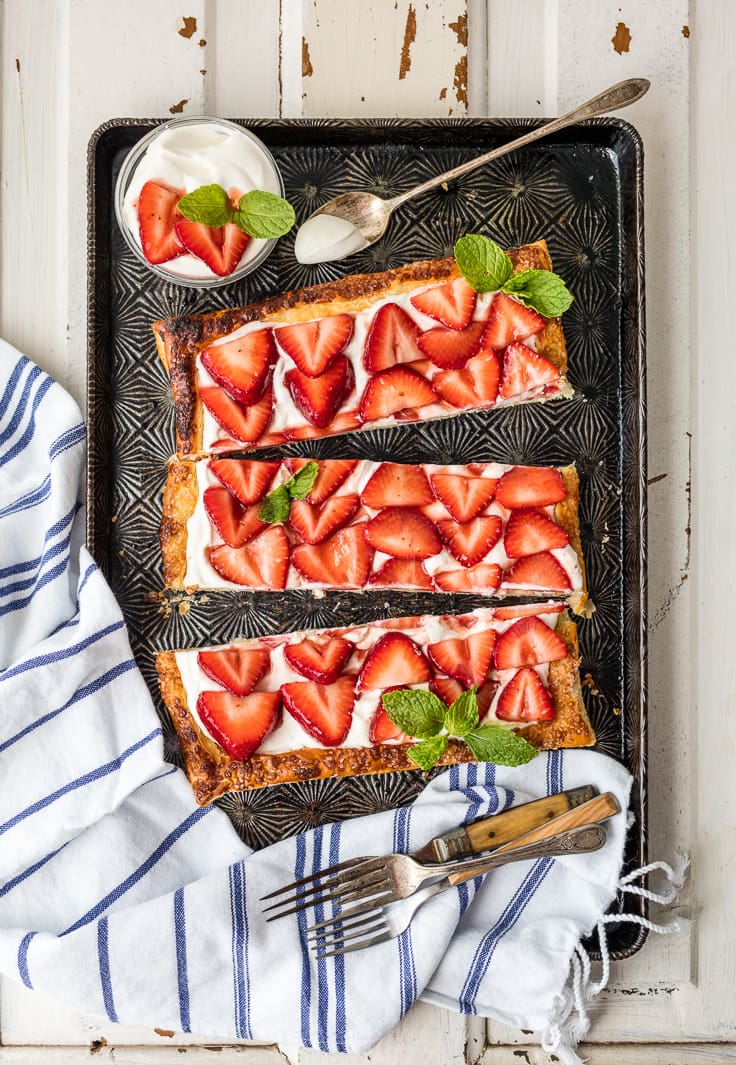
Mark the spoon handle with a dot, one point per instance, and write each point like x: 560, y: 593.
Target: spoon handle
x: 619, y: 95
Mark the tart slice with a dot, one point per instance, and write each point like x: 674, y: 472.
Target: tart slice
x: 484, y: 528
x: 365, y: 351
x: 317, y: 709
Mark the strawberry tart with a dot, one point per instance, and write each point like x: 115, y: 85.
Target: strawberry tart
x: 485, y: 528
x: 310, y: 704
x: 369, y: 350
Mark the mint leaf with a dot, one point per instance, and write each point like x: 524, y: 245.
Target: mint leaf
x: 262, y: 214
x: 301, y: 484
x: 492, y: 743
x: 426, y: 753
x: 462, y: 716
x: 276, y: 506
x: 540, y: 289
x: 209, y: 204
x: 416, y: 712
x: 483, y: 264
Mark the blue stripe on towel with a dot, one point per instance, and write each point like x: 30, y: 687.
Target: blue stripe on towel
x: 407, y: 967
x: 182, y: 976
x: 94, y: 686
x: 62, y: 653
x: 103, y: 956
x: 339, y: 960
x: 88, y: 778
x: 300, y: 865
x: 130, y: 881
x: 23, y: 959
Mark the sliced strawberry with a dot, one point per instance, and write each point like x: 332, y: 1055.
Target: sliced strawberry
x: 468, y: 660
x: 394, y: 661
x: 246, y: 479
x: 315, y: 524
x: 528, y: 642
x: 471, y: 542
x: 325, y: 711
x: 403, y: 533
x: 342, y: 561
x: 261, y: 563
x: 392, y: 339
x: 403, y: 573
x: 319, y: 398
x: 530, y: 486
x: 530, y: 531
x: 524, y: 369
x: 394, y: 484
x: 446, y: 688
x: 382, y: 729
x: 394, y: 390
x: 509, y: 320
x: 485, y: 696
x: 463, y: 496
x: 452, y: 304
x: 239, y: 724
x: 540, y: 571
x: 451, y: 348
x: 483, y: 577
x: 243, y: 366
x: 332, y: 473
x: 157, y: 216
x: 314, y: 346
x: 319, y: 658
x: 235, y: 523
x: 475, y: 385
x: 524, y: 698
x: 221, y: 248
x: 246, y: 424
x: 238, y: 670
x: 525, y: 610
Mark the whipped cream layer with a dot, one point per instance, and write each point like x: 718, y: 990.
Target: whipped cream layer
x: 289, y: 735
x: 202, y: 535
x: 287, y: 421
x: 188, y: 156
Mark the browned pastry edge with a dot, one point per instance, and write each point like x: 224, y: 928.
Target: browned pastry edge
x: 180, y: 499
x: 212, y: 772
x: 179, y: 340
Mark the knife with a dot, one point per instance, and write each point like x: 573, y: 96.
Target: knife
x: 491, y: 832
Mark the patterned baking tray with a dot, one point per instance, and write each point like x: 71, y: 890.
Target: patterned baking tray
x: 582, y: 192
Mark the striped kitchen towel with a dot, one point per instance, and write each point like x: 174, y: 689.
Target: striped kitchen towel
x: 120, y: 896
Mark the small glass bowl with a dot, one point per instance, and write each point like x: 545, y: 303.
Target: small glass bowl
x: 259, y: 248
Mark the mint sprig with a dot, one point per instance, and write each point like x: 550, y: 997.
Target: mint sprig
x: 487, y: 268
x: 276, y: 507
x: 423, y: 715
x: 259, y: 213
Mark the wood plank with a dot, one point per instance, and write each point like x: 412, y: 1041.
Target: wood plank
x: 522, y: 58
x: 622, y: 1054
x: 382, y: 59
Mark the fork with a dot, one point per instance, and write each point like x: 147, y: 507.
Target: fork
x: 365, y: 928
x: 391, y: 877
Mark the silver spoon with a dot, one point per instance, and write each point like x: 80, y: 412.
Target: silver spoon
x: 370, y: 214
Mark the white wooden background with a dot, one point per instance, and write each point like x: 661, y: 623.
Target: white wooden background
x: 68, y: 65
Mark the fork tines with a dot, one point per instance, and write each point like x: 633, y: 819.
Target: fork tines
x: 342, y: 884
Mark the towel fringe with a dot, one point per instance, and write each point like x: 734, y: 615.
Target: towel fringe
x: 570, y: 1022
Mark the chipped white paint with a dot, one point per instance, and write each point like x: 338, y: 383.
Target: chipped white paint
x: 97, y: 59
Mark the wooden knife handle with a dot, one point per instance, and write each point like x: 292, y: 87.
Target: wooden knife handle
x: 598, y: 809
x: 493, y: 831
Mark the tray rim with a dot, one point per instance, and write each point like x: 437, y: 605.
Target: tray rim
x: 632, y: 250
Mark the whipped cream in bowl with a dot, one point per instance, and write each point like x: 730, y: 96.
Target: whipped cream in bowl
x: 184, y: 154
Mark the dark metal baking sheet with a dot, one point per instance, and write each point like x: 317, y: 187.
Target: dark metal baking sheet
x: 582, y: 192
